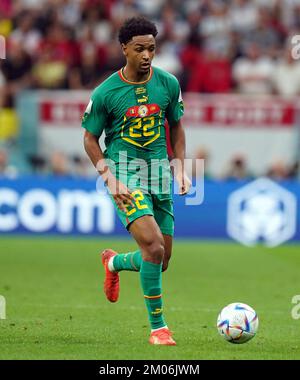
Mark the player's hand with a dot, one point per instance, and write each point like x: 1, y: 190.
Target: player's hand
x: 121, y: 194
x: 184, y: 183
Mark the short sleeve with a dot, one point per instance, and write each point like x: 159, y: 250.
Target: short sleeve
x: 95, y: 116
x: 175, y: 108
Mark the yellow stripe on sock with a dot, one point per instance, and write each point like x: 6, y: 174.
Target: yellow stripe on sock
x: 152, y: 297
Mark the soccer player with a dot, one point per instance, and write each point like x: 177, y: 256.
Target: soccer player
x: 131, y: 106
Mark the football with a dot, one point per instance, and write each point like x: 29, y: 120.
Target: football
x: 237, y: 323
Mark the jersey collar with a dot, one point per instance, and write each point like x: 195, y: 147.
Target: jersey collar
x: 120, y: 72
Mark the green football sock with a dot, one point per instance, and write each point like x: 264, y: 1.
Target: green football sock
x: 151, y: 276
x: 128, y: 261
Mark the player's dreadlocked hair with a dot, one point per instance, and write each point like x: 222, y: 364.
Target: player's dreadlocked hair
x: 136, y: 26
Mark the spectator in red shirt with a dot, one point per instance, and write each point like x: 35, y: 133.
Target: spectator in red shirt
x: 59, y: 43
x: 6, y: 8
x: 210, y: 74
x: 192, y: 61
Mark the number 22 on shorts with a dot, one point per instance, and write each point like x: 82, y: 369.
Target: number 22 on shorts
x: 138, y: 198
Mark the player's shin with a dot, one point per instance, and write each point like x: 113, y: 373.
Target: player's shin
x: 150, y: 275
x: 130, y: 261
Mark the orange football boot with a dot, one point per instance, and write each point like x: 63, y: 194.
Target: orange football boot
x: 162, y: 336
x: 111, y: 282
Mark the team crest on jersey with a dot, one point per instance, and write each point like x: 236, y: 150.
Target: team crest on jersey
x: 143, y: 111
x: 140, y: 91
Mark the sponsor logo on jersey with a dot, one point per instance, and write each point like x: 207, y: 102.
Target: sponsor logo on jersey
x: 143, y: 99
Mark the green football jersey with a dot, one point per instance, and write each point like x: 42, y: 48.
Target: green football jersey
x: 133, y: 116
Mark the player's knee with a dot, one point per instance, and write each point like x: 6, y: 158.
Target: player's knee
x: 155, y: 250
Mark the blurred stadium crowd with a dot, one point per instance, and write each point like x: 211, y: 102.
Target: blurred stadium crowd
x: 212, y: 46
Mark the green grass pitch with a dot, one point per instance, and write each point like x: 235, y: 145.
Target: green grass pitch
x: 56, y: 308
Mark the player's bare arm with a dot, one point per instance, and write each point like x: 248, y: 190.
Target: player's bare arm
x: 119, y: 191
x: 177, y: 136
